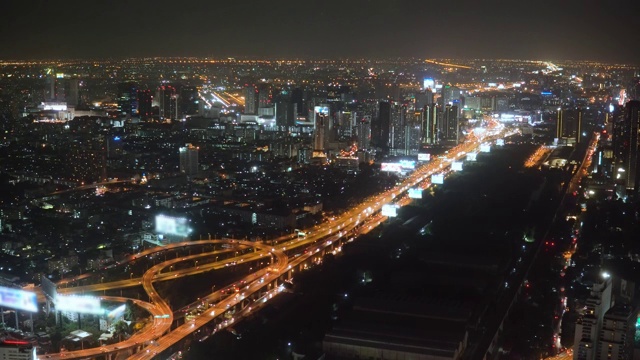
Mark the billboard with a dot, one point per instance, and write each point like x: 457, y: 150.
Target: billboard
x: 437, y: 179
x: 389, y: 210
x: 394, y: 167
x: 408, y: 164
x: 18, y: 299
x: 79, y: 303
x: 428, y: 83
x: 485, y: 148
x: 424, y: 157
x: 49, y: 289
x: 456, y: 166
x: 500, y: 142
x: 169, y: 225
x: 415, y: 193
x: 472, y: 156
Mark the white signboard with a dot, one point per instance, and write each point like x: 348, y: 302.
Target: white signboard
x: 424, y: 157
x: 472, y: 156
x: 415, y: 193
x: 169, y: 225
x: 456, y: 166
x: 79, y: 303
x: 485, y: 148
x: 390, y: 210
x: 437, y: 179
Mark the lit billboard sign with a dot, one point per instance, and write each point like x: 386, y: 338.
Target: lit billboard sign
x: 424, y: 157
x: 18, y: 299
x: 456, y: 166
x: 415, y: 193
x: 391, y: 167
x: 472, y: 156
x: 500, y: 142
x: 117, y: 312
x: 389, y: 210
x: 169, y: 225
x: 79, y: 303
x: 428, y: 83
x: 408, y: 164
x: 485, y: 148
x: 437, y: 179
x: 321, y: 110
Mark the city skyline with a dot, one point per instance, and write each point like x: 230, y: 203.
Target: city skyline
x: 329, y: 29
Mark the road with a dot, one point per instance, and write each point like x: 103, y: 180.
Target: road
x: 319, y: 238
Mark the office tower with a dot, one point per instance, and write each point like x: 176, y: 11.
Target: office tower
x: 189, y: 101
x: 413, y: 132
x: 250, y: 100
x: 381, y: 127
x: 451, y: 95
x: 398, y: 121
x: 589, y: 324
x: 61, y: 91
x: 50, y: 87
x: 424, y: 98
x: 128, y: 99
x: 633, y: 92
x: 297, y: 98
x: 189, y: 159
x: 430, y: 124
x: 320, y: 127
x: 73, y: 95
x: 630, y: 133
x: 448, y: 127
x: 569, y: 125
x: 144, y: 103
x: 364, y: 132
x: 167, y: 100
x: 617, y: 334
x: 265, y: 94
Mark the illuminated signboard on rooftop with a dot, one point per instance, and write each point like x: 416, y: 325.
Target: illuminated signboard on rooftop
x: 18, y: 299
x: 437, y: 179
x: 79, y: 303
x: 169, y: 225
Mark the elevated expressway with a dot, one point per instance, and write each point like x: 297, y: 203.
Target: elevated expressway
x: 287, y: 256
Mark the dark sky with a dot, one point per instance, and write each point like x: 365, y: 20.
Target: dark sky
x: 546, y: 29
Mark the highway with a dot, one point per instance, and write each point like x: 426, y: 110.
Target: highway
x: 319, y: 238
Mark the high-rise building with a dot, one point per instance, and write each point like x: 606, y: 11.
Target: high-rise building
x: 167, y: 100
x: 250, y: 100
x: 616, y: 339
x: 451, y: 95
x: 298, y: 99
x: 320, y: 127
x: 145, y: 100
x: 364, y: 132
x: 128, y: 99
x: 189, y: 159
x: 424, y: 98
x: 381, y: 127
x: 189, y: 101
x: 448, y: 127
x: 569, y: 125
x: 589, y: 324
x: 265, y: 95
x: 73, y: 95
x: 631, y: 135
x: 430, y: 124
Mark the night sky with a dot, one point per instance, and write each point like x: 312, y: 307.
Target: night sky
x: 544, y: 29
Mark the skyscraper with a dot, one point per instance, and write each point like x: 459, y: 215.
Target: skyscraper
x: 430, y: 124
x: 250, y: 100
x: 632, y: 125
x: 448, y: 127
x: 128, y: 99
x: 589, y: 324
x: 617, y: 334
x: 265, y: 95
x: 167, y: 102
x: 189, y: 159
x: 569, y: 124
x: 189, y: 100
x: 144, y: 103
x: 320, y: 127
x: 381, y: 127
x: 364, y: 132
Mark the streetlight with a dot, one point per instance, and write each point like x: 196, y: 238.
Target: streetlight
x: 131, y: 276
